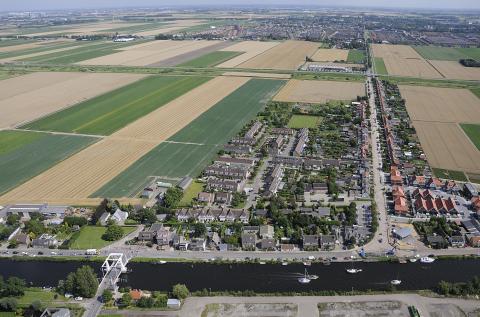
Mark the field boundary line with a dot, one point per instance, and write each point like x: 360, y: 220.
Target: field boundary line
x: 60, y: 133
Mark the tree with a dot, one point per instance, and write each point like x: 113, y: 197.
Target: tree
x: 34, y: 226
x: 107, y: 295
x: 72, y: 221
x: 126, y: 300
x: 199, y: 229
x: 102, y: 208
x: 82, y: 282
x: 180, y: 291
x: 113, y: 233
x: 13, y: 219
x: 14, y: 286
x: 8, y: 304
x: 173, y: 197
x: 146, y: 302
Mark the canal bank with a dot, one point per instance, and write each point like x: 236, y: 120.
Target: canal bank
x: 259, y: 278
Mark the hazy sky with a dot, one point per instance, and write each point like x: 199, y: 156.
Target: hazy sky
x: 22, y: 5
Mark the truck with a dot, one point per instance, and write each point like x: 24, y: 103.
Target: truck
x: 91, y: 252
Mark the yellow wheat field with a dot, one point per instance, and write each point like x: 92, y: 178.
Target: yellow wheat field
x: 250, y: 49
x: 330, y: 55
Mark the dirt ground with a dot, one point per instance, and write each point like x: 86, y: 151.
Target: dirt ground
x: 330, y: 55
x: 85, y: 172
x: 28, y: 97
x: 315, y: 91
x: 250, y: 49
x: 250, y: 310
x: 363, y: 309
x: 150, y: 53
x: 449, y: 310
x: 455, y: 70
x: 403, y: 60
x: 441, y: 104
x: 289, y: 55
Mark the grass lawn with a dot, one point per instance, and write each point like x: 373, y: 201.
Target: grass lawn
x: 473, y: 132
x: 191, y: 193
x: 356, y: 56
x: 211, y: 59
x: 447, y: 174
x: 109, y: 112
x: 90, y: 237
x: 24, y: 155
x: 33, y: 294
x: 380, y: 66
x: 476, y: 91
x: 210, y: 130
x: 304, y: 121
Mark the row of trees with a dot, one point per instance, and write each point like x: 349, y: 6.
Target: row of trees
x: 83, y: 282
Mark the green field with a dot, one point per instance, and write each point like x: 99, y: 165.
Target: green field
x: 39, y: 49
x: 89, y: 50
x: 141, y: 27
x: 190, y: 193
x: 24, y: 155
x: 208, y: 133
x: 448, y: 174
x: 211, y: 59
x: 473, y: 132
x: 380, y: 66
x: 447, y: 53
x: 304, y: 121
x: 476, y: 91
x: 90, y: 237
x: 356, y: 56
x: 13, y: 42
x: 109, y: 112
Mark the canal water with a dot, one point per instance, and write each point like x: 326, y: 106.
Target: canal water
x: 257, y: 277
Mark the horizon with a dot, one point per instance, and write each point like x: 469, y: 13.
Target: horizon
x: 52, y: 5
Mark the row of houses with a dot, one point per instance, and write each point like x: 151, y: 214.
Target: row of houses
x: 244, y: 144
x: 212, y: 214
x: 311, y: 164
x: 302, y: 140
x: 24, y: 211
x: 273, y: 180
x: 423, y: 201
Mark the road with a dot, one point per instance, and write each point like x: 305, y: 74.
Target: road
x: 307, y: 305
x: 378, y: 188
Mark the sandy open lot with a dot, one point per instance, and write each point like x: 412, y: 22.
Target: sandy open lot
x: 172, y: 27
x: 314, y: 91
x: 455, y: 70
x: 403, y: 60
x: 85, y: 172
x: 149, y: 53
x: 330, y: 55
x: 251, y: 49
x: 447, y: 146
x: 441, y: 104
x: 28, y: 97
x: 288, y: 55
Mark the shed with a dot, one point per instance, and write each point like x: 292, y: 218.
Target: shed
x: 402, y: 233
x: 174, y: 303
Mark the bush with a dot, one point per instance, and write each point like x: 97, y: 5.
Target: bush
x: 8, y: 304
x: 146, y: 302
x: 107, y: 295
x: 180, y: 291
x: 113, y: 233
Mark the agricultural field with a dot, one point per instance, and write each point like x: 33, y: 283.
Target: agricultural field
x: 455, y: 70
x: 403, y: 60
x: 330, y: 55
x: 446, y: 174
x: 211, y: 59
x: 112, y: 111
x: 192, y: 148
x: 304, y: 121
x: 380, y: 66
x: 172, y: 26
x: 78, y: 53
x: 437, y: 114
x: 149, y: 53
x: 80, y: 29
x: 24, y: 155
x: 11, y: 54
x: 447, y: 53
x: 85, y: 172
x: 289, y: 55
x: 473, y: 132
x: 90, y: 237
x: 315, y: 91
x: 259, y: 75
x: 356, y: 56
x: 249, y: 50
x: 29, y: 97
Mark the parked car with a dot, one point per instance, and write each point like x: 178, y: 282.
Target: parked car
x: 78, y: 298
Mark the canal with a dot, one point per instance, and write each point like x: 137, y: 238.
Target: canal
x: 257, y: 277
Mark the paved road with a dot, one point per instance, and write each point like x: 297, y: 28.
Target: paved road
x: 307, y: 305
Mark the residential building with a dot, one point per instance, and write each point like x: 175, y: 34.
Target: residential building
x: 310, y: 242
x: 401, y: 233
x: 457, y: 241
x: 205, y: 197
x: 436, y: 242
x: 470, y: 190
x: 327, y: 242
x: 395, y: 176
x: 266, y: 231
x: 227, y: 185
x: 56, y: 312
x: 45, y: 241
x: 197, y: 244
x: 301, y: 142
x: 223, y: 198
x: 249, y: 241
x: 268, y: 244
x: 119, y: 216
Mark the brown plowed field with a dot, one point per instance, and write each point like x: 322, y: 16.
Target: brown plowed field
x: 28, y: 97
x: 436, y: 114
x: 403, y: 60
x: 455, y: 70
x: 172, y: 27
x: 315, y: 91
x: 441, y: 104
x: 288, y: 55
x: 250, y: 49
x: 85, y: 172
x: 149, y: 53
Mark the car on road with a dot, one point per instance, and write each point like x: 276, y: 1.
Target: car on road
x: 40, y: 253
x: 78, y: 298
x: 53, y: 253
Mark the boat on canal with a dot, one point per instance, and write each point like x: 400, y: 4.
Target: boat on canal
x: 305, y: 279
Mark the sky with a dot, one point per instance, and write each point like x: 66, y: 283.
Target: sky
x: 31, y: 5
